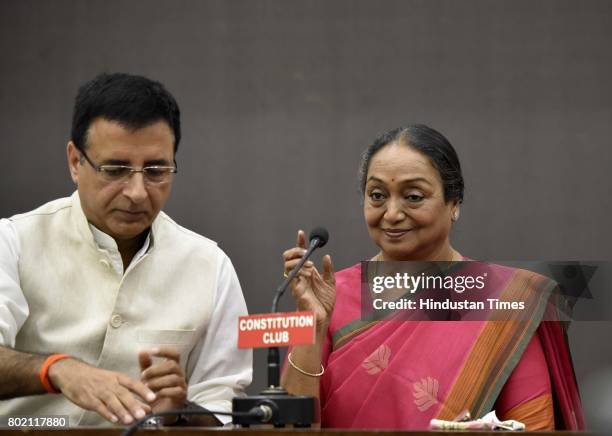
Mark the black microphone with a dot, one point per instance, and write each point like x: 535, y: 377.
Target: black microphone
x: 286, y: 409
x: 318, y: 237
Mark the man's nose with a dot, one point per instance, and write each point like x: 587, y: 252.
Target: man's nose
x: 135, y: 188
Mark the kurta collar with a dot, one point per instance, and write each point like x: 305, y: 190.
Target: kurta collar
x: 98, y: 239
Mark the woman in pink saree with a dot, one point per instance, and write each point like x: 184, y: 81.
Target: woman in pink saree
x: 401, y: 374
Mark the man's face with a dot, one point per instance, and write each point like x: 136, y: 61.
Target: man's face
x: 123, y: 210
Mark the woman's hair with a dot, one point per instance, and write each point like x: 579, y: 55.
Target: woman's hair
x: 427, y: 141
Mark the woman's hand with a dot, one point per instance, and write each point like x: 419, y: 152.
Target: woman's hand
x: 312, y: 292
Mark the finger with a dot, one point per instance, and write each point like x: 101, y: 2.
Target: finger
x: 167, y: 381
x: 144, y: 359
x: 328, y: 270
x: 301, y: 239
x: 307, y: 272
x: 164, y: 368
x: 290, y: 264
x: 297, y: 291
x: 137, y: 387
x: 100, y: 408
x: 175, y: 392
x: 293, y: 253
x: 308, y: 269
x: 130, y: 403
x: 168, y: 352
x: 146, y: 408
x: 303, y: 274
x: 115, y: 405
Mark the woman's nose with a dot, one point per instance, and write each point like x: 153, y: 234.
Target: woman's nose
x: 395, y: 211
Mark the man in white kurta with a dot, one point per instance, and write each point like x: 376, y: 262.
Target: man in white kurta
x: 106, y: 278
x: 63, y: 288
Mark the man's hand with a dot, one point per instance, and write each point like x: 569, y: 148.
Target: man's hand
x: 113, y: 395
x: 166, y: 378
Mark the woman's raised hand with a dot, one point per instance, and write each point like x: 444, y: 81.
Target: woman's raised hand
x: 311, y: 290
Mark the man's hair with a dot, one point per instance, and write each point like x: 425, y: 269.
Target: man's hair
x: 132, y: 101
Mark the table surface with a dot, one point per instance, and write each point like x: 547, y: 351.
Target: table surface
x: 192, y: 431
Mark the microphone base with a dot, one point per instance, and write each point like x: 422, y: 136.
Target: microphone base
x: 298, y: 411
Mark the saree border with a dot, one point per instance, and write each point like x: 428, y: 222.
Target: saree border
x: 484, y: 373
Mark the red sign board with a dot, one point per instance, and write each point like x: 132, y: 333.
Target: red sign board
x: 276, y: 329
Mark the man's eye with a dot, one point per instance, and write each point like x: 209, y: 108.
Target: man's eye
x: 156, y: 172
x: 115, y: 171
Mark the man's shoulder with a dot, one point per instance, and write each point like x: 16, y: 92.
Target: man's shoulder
x: 60, y: 205
x: 181, y: 235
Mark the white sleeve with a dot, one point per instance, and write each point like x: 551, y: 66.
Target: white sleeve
x: 221, y: 371
x: 13, y: 305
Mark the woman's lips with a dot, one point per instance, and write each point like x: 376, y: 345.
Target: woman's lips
x: 395, y: 233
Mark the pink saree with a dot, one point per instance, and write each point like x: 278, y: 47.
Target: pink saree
x: 401, y: 374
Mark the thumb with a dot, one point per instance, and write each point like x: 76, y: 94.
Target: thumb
x: 301, y: 239
x: 328, y: 270
x: 144, y: 359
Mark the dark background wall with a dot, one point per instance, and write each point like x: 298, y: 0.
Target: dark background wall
x: 280, y: 97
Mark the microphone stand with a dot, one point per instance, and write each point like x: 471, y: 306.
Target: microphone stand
x: 296, y: 410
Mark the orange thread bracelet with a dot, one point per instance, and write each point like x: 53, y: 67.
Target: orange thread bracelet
x: 44, y: 372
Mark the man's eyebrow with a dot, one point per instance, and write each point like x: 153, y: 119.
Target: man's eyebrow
x: 160, y: 162
x: 115, y: 162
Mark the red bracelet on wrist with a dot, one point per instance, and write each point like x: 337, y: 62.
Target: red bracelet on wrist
x: 44, y: 372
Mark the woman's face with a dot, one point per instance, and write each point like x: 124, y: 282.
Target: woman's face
x: 404, y: 206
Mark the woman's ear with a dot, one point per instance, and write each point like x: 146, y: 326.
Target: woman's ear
x: 455, y: 212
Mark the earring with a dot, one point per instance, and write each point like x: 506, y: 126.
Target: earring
x: 455, y: 215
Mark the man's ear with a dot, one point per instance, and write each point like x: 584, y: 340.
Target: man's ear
x: 74, y: 161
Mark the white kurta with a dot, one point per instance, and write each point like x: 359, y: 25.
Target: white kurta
x: 63, y: 290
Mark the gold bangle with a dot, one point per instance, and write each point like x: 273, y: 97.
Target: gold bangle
x: 309, y: 374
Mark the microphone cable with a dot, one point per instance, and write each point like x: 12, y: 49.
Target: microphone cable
x: 263, y: 412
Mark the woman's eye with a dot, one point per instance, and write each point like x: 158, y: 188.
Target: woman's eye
x: 414, y: 198
x: 377, y: 196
